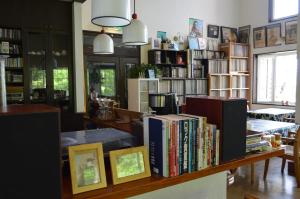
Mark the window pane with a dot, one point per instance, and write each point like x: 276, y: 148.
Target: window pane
x: 38, y: 78
x: 108, y: 87
x: 61, y: 82
x: 285, y: 83
x: 284, y: 8
x: 276, y: 78
x: 264, y: 79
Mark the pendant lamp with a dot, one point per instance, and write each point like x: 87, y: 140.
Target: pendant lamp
x: 103, y: 44
x: 136, y: 33
x: 111, y: 13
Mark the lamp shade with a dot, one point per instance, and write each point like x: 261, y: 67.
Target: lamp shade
x: 111, y: 13
x: 136, y: 33
x: 103, y: 44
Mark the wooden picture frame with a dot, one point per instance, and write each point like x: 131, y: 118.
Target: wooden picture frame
x: 259, y: 37
x: 213, y: 31
x: 228, y: 34
x: 138, y: 162
x: 195, y: 27
x: 87, y: 167
x: 244, y: 34
x: 291, y: 32
x: 273, y: 35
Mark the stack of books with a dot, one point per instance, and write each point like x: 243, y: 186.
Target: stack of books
x: 181, y: 144
x: 254, y: 143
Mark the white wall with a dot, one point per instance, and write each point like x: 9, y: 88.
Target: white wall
x: 255, y: 13
x: 172, y: 15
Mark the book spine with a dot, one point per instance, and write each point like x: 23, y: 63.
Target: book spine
x: 194, y: 126
x: 177, y: 148
x: 190, y: 145
x: 200, y: 143
x: 172, y: 165
x: 155, y: 145
x: 217, y: 147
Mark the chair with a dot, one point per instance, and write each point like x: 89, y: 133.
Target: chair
x: 291, y: 153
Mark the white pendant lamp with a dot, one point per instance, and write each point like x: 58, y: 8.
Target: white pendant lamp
x: 111, y: 13
x: 103, y: 44
x: 136, y: 33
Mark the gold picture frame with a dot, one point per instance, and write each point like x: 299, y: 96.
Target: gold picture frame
x: 87, y: 167
x: 129, y: 164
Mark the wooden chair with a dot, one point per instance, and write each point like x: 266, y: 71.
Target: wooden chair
x: 294, y: 155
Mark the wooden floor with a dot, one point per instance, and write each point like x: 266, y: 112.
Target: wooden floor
x: 277, y: 186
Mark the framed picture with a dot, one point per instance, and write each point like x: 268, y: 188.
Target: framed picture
x: 291, y: 32
x: 195, y: 27
x: 244, y: 34
x: 162, y: 36
x: 274, y: 35
x: 193, y: 42
x: 213, y: 31
x: 151, y: 74
x: 155, y: 43
x: 228, y: 34
x: 129, y: 164
x: 87, y: 167
x: 259, y: 37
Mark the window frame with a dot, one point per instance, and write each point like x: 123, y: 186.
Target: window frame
x: 255, y: 82
x: 271, y: 18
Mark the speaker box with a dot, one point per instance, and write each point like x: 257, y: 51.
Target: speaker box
x: 230, y: 116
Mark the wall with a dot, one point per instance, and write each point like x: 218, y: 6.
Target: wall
x: 255, y: 13
x: 172, y: 15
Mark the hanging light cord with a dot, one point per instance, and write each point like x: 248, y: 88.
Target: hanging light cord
x: 134, y: 15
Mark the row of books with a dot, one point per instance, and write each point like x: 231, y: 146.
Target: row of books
x: 178, y: 87
x: 196, y: 87
x: 214, y: 93
x: 219, y: 82
x: 197, y: 69
x: 11, y: 77
x: 239, y: 93
x: 239, y: 65
x: 239, y: 81
x: 206, y: 54
x: 239, y: 51
x: 11, y: 34
x: 217, y: 66
x: 13, y: 62
x: 181, y: 144
x: 178, y: 72
x: 164, y: 86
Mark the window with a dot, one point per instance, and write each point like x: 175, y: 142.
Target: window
x: 61, y: 82
x: 276, y: 76
x: 282, y: 9
x: 38, y: 78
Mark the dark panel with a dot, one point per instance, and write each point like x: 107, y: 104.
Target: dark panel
x: 30, y: 156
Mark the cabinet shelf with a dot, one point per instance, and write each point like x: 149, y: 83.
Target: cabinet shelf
x: 237, y: 57
x: 14, y: 68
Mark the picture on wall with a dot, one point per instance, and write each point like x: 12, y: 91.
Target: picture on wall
x: 195, y: 27
x: 228, y: 34
x: 274, y: 35
x: 259, y: 37
x: 291, y: 32
x: 193, y: 43
x: 244, y: 34
x: 213, y: 31
x: 162, y: 35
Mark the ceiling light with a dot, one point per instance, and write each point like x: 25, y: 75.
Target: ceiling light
x: 103, y: 44
x: 111, y: 13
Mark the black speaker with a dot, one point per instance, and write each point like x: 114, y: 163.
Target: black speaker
x: 30, y: 148
x: 230, y: 116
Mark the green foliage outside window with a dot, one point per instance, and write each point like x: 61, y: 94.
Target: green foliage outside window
x: 61, y: 78
x: 108, y: 87
x: 38, y: 78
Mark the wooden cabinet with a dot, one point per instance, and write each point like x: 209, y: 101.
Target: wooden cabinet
x: 138, y: 93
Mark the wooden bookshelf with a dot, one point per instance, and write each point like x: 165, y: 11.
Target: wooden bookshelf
x: 154, y: 182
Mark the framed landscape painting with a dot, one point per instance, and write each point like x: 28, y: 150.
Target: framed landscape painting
x: 274, y: 35
x: 259, y: 37
x: 291, y: 32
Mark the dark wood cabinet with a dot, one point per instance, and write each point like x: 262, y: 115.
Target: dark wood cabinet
x: 230, y: 116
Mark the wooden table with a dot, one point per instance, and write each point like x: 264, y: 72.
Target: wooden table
x: 154, y: 182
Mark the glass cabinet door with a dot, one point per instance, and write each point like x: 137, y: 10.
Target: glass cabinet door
x: 60, y: 63
x: 36, y: 51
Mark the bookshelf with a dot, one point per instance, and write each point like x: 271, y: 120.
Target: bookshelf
x: 176, y: 72
x: 138, y: 94
x: 231, y: 78
x: 12, y: 59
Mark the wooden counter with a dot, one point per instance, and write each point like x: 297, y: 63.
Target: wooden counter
x: 154, y: 183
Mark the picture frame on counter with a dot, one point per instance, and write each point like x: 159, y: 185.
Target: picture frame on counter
x: 228, y: 34
x: 155, y: 43
x: 291, y: 32
x: 213, y: 31
x: 193, y: 43
x: 129, y: 164
x: 87, y: 167
x: 244, y: 34
x: 273, y: 35
x: 259, y: 37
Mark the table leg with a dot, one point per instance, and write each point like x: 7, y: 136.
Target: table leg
x: 266, y: 168
x: 252, y: 173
